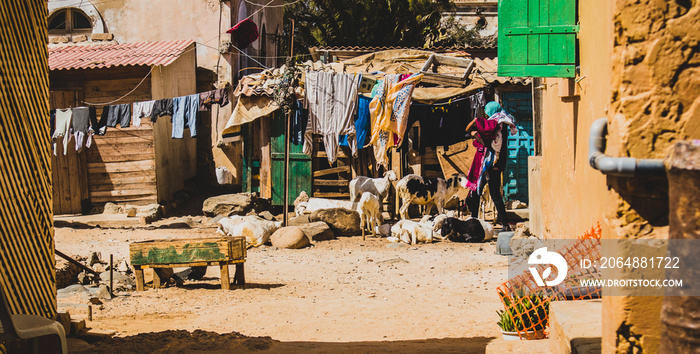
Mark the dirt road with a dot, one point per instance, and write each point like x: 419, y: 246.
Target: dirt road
x: 345, y: 290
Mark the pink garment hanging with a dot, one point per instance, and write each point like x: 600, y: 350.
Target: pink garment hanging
x: 244, y: 33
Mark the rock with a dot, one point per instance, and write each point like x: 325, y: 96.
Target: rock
x: 523, y: 242
x: 72, y: 290
x: 396, y: 245
x: 317, y: 231
x: 131, y: 212
x: 118, y: 278
x: 111, y: 208
x: 515, y: 204
x: 289, y: 237
x: 99, y: 267
x: 229, y: 204
x: 342, y: 221
x: 299, y: 220
x: 123, y: 266
x: 95, y: 257
x: 385, y: 230
x: 101, y: 292
x: 267, y: 215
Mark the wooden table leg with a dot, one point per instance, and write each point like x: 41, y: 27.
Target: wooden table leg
x: 156, y: 278
x: 139, y: 278
x: 239, y: 277
x: 225, y: 280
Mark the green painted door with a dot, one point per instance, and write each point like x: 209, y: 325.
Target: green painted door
x: 299, y: 164
x: 520, y: 146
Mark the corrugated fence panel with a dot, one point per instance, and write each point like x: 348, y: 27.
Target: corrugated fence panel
x: 26, y: 232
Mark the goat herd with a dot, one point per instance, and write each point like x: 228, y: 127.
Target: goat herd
x: 366, y: 196
x: 414, y: 189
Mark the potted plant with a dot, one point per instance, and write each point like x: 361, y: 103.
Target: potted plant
x: 524, y: 317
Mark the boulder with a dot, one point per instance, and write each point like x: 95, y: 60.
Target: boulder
x: 299, y: 220
x: 342, y: 221
x: 267, y: 215
x: 111, y: 208
x: 317, y: 231
x: 229, y: 204
x: 120, y: 279
x: 289, y: 237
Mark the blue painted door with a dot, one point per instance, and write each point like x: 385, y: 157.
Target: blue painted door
x: 520, y: 146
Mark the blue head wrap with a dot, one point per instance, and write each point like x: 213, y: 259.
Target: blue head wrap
x: 492, y: 108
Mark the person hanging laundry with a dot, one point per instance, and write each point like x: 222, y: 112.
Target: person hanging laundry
x: 389, y: 114
x: 63, y: 126
x: 331, y: 100
x: 490, y: 158
x: 162, y: 107
x: 80, y: 124
x: 140, y: 110
x: 119, y: 114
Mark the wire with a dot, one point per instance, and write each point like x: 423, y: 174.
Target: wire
x: 271, y: 6
x: 127, y: 94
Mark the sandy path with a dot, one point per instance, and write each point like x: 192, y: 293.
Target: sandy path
x: 346, y: 290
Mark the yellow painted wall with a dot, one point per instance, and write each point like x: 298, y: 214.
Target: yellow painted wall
x: 639, y: 63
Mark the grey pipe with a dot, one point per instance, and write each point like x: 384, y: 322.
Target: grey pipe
x: 618, y: 166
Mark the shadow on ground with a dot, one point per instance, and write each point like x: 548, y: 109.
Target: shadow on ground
x: 210, y: 342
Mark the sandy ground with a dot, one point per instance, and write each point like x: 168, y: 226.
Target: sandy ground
x: 371, y: 293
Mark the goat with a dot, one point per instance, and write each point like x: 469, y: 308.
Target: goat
x: 411, y: 232
x: 470, y: 230
x: 256, y: 230
x: 434, y: 221
x: 413, y: 189
x: 369, y: 208
x: 377, y: 186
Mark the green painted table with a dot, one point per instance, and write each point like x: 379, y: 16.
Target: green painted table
x: 193, y: 252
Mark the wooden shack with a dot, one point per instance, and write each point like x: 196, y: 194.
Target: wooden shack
x: 135, y: 165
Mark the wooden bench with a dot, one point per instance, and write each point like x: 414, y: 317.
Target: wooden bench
x: 193, y: 252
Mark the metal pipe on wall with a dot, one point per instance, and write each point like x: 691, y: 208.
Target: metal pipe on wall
x: 618, y: 166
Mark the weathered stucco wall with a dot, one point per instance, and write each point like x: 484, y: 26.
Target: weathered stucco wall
x: 640, y: 68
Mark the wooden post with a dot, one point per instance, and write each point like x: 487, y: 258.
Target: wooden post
x: 286, y: 168
x: 225, y: 280
x: 680, y: 315
x: 156, y: 278
x: 239, y: 276
x: 138, y: 271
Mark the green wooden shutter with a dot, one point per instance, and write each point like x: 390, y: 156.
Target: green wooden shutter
x: 537, y: 38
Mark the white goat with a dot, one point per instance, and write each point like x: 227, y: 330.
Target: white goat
x: 369, y: 208
x: 411, y: 232
x: 377, y: 186
x: 256, y: 230
x: 434, y: 221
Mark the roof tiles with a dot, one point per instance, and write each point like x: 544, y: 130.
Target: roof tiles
x: 92, y: 56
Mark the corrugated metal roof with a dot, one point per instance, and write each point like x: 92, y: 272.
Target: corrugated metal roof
x: 93, y: 56
x: 487, y: 68
x: 378, y: 48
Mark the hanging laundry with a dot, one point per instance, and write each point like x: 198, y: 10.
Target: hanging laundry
x: 244, y: 33
x: 178, y: 118
x: 81, y: 127
x: 191, y: 113
x: 119, y: 114
x: 63, y: 125
x: 163, y: 107
x: 99, y: 128
x: 389, y: 112
x: 52, y: 121
x: 218, y: 96
x: 205, y: 99
x: 477, y: 101
x: 331, y: 100
x: 140, y: 110
x: 362, y: 123
x: 298, y: 123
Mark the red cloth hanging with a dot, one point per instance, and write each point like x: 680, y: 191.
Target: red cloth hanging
x: 244, y: 33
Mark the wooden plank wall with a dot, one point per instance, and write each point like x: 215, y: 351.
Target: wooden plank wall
x: 120, y: 165
x: 27, y: 266
x: 176, y: 159
x: 70, y: 189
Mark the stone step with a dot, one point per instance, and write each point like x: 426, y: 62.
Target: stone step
x: 576, y: 326
x: 518, y: 346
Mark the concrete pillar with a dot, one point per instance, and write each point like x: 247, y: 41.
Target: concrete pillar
x: 680, y: 315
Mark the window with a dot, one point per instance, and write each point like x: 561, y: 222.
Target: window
x: 65, y: 21
x: 537, y: 40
